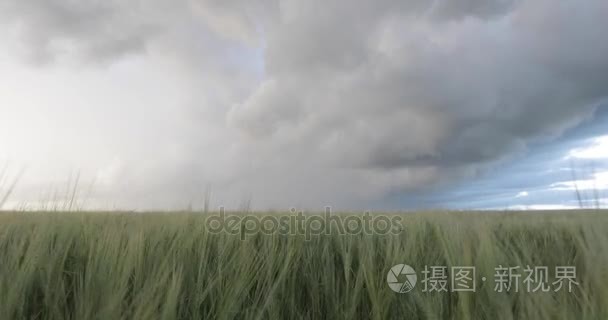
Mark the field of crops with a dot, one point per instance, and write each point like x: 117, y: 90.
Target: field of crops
x: 170, y: 266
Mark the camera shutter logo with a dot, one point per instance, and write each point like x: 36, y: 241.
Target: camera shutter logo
x: 401, y: 278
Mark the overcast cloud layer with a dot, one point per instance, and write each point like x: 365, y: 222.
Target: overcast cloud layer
x: 288, y: 103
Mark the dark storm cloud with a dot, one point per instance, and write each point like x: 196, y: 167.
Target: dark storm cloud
x: 390, y: 86
x: 340, y: 99
x: 532, y: 179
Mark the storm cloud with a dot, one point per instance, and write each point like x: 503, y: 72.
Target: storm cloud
x: 305, y: 103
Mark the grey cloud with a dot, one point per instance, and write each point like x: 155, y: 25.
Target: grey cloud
x: 277, y: 105
x: 352, y: 99
x: 97, y: 30
x: 447, y: 95
x: 445, y: 9
x: 232, y: 19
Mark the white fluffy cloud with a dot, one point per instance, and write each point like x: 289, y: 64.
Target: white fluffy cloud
x: 305, y: 103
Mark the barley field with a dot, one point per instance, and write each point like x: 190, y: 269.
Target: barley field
x: 169, y: 266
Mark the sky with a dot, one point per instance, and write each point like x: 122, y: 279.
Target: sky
x: 417, y: 104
